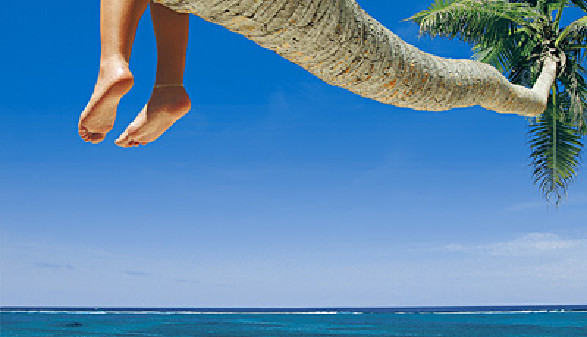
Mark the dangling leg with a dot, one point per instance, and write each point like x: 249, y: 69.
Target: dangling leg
x: 118, y: 23
x: 169, y: 100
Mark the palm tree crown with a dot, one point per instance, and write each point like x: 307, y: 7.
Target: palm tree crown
x: 516, y: 37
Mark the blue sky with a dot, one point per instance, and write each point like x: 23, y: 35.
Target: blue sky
x: 276, y: 190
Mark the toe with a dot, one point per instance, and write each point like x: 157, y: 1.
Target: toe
x: 127, y: 138
x: 96, y: 137
x: 88, y: 136
x: 123, y: 140
x: 83, y: 133
x: 126, y: 141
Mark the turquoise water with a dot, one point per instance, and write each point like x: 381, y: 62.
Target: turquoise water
x: 276, y: 323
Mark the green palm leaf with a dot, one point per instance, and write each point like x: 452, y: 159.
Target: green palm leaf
x: 475, y: 21
x: 575, y: 86
x: 510, y: 57
x: 556, y: 144
x: 576, y: 30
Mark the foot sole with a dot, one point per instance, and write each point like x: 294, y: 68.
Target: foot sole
x: 98, y: 118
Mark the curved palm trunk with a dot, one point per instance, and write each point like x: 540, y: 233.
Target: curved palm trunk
x: 344, y: 46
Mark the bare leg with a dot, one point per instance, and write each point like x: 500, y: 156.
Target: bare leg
x: 118, y: 23
x: 169, y: 100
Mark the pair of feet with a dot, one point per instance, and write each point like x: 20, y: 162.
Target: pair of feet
x: 168, y: 103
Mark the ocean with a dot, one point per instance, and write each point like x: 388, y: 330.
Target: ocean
x: 559, y: 321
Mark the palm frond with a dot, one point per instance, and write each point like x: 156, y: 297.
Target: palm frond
x: 475, y: 21
x: 575, y: 85
x: 556, y: 144
x: 516, y: 56
x: 576, y: 30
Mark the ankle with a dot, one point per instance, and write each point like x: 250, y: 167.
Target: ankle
x: 114, y: 59
x: 167, y: 78
x: 167, y: 85
x: 171, y: 95
x: 114, y: 67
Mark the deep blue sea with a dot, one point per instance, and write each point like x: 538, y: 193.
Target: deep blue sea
x: 552, y: 321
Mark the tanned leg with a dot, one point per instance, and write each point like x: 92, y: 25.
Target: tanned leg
x: 118, y: 23
x: 169, y: 100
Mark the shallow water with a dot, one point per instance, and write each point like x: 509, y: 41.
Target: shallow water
x: 470, y: 322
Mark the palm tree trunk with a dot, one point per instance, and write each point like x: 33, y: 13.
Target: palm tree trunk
x: 344, y: 46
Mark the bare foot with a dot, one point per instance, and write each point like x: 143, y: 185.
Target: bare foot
x: 98, y: 117
x: 166, y: 105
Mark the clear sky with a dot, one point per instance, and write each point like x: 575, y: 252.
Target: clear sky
x: 276, y: 190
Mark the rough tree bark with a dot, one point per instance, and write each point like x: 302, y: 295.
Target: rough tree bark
x: 342, y: 45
